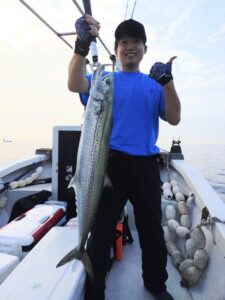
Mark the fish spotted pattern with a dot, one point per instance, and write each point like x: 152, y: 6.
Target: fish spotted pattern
x: 91, y: 160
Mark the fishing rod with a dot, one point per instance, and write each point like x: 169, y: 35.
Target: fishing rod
x: 94, y: 50
x: 59, y: 35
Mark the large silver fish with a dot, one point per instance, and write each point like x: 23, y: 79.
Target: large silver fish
x: 91, y: 160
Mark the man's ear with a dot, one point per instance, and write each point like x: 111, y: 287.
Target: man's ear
x: 145, y: 49
x: 115, y: 51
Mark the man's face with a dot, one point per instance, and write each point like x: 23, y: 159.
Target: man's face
x: 130, y: 52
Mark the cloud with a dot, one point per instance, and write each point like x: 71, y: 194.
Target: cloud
x: 219, y: 35
x: 39, y: 60
x: 23, y: 29
x: 180, y: 20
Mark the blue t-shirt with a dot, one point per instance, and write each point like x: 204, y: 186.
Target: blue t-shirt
x: 139, y: 101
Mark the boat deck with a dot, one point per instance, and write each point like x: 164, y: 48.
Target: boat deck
x: 125, y: 278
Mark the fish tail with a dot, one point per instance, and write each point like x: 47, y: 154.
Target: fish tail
x: 67, y: 258
x: 76, y: 253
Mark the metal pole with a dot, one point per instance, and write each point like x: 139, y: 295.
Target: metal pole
x: 67, y: 33
x: 43, y: 21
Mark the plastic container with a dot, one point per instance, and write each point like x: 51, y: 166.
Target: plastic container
x: 37, y: 277
x: 7, y: 264
x: 21, y: 234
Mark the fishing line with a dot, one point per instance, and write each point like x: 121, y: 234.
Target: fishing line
x: 126, y: 9
x: 133, y: 9
x: 128, y: 2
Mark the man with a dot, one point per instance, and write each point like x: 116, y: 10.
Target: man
x: 139, y: 101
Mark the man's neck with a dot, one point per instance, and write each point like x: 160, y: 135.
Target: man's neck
x: 130, y: 68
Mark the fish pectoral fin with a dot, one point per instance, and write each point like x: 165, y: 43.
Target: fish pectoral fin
x: 107, y: 182
x: 71, y: 183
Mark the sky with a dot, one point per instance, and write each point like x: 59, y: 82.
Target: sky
x: 34, y: 63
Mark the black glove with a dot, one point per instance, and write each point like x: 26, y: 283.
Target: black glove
x: 162, y: 72
x: 81, y: 47
x: 84, y: 37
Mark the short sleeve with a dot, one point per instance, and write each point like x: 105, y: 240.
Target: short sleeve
x: 84, y: 96
x: 162, y: 110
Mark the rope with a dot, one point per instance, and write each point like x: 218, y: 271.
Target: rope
x: 166, y: 160
x: 211, y: 222
x: 33, y: 166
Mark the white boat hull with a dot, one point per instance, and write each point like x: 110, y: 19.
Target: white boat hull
x: 37, y: 278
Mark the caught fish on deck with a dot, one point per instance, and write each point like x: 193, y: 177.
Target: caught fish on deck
x: 91, y: 160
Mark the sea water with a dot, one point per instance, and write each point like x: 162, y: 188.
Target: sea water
x: 208, y: 159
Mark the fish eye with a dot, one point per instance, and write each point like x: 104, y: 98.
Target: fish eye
x: 107, y: 80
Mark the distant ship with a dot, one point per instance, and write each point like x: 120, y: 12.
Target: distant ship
x: 6, y: 140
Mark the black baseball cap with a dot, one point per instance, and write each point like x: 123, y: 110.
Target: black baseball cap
x: 132, y: 28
